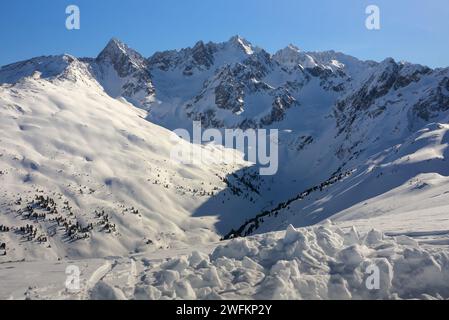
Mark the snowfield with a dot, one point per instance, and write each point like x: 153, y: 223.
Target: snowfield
x: 321, y: 262
x: 112, y: 186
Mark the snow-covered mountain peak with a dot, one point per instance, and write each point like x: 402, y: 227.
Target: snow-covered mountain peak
x: 123, y: 72
x: 115, y: 46
x: 355, y: 68
x: 203, y: 56
x: 41, y: 67
x: 52, y: 68
x: 120, y: 55
x: 387, y: 63
x: 241, y: 43
x: 115, y: 43
x: 293, y: 47
x: 291, y: 56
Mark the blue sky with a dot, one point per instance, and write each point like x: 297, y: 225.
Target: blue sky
x: 412, y: 30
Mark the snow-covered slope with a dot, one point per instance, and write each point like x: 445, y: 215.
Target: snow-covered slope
x: 402, y: 189
x: 94, y: 178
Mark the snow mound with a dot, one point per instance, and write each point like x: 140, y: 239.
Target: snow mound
x: 322, y: 262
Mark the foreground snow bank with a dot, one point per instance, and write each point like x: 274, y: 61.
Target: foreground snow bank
x: 322, y: 262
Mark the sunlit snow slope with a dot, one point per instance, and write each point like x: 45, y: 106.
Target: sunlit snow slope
x: 112, y: 187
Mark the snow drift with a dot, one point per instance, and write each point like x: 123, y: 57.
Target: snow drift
x: 321, y: 262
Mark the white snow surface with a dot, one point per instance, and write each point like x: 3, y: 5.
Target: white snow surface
x: 73, y: 143
x: 321, y: 262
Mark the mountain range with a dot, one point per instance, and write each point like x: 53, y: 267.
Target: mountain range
x: 85, y: 147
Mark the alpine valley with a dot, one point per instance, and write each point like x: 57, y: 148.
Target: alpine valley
x: 86, y: 176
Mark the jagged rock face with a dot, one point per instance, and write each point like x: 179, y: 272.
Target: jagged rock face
x: 234, y: 83
x: 162, y: 60
x: 437, y: 101
x: 329, y: 79
x: 124, y: 60
x: 260, y: 64
x: 199, y: 58
x: 377, y: 85
x: 134, y: 80
x: 388, y: 76
x: 283, y: 100
x: 229, y: 95
x: 391, y: 85
x: 207, y: 118
x: 235, y: 74
x: 203, y: 54
x: 410, y: 73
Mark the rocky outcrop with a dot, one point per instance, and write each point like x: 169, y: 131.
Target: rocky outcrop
x: 134, y: 80
x: 435, y: 102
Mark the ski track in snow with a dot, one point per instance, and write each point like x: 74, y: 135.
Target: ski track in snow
x: 97, y: 275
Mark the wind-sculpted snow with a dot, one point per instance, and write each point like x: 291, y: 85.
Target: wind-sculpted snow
x: 322, y: 262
